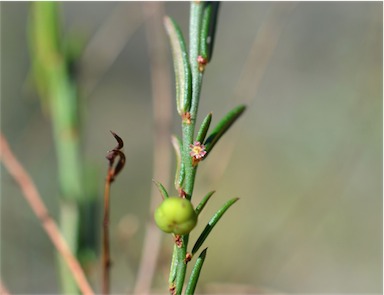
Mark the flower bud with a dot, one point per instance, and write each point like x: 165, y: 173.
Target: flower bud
x: 176, y: 215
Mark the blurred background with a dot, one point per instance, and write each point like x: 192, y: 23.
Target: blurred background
x: 305, y: 158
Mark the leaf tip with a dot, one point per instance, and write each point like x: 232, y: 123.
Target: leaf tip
x: 203, y: 253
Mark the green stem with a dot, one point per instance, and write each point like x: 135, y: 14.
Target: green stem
x: 181, y: 265
x: 58, y: 92
x: 69, y: 220
x: 194, y: 39
x: 188, y: 129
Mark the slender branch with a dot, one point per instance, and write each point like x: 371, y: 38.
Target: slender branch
x: 188, y: 129
x: 33, y: 198
x: 3, y: 289
x: 106, y: 260
x: 198, y: 34
x: 58, y: 92
x: 113, y: 170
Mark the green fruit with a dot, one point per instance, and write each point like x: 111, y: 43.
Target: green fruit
x: 176, y: 215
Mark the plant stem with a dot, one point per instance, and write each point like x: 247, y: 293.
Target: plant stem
x: 33, y: 198
x: 58, y: 92
x: 194, y: 45
x: 106, y: 260
x: 113, y: 170
x: 188, y: 129
x: 3, y: 289
x: 69, y: 226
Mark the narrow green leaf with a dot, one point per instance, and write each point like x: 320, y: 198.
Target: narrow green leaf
x: 193, y: 279
x: 181, y: 66
x: 161, y: 189
x: 222, y: 127
x: 172, y: 271
x: 203, y: 236
x: 203, y: 202
x: 204, y: 128
x: 208, y: 29
x: 179, y: 175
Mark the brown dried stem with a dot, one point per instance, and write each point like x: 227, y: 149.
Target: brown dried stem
x: 33, y: 198
x: 3, y: 289
x: 106, y: 260
x: 111, y: 174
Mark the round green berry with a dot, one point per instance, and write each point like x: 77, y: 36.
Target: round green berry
x: 176, y: 215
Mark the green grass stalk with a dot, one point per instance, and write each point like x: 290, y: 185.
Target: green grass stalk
x: 58, y: 93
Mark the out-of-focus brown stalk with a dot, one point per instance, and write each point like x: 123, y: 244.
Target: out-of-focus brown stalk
x: 3, y: 289
x: 106, y: 260
x: 111, y: 174
x: 34, y: 200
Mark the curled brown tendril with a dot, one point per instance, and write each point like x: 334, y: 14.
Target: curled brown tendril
x: 113, y: 154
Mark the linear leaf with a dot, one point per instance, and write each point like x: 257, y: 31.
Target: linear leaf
x: 181, y: 66
x: 172, y: 272
x: 208, y: 29
x: 204, y: 128
x: 203, y: 236
x: 179, y: 175
x: 196, y: 273
x: 161, y: 189
x: 203, y: 202
x: 222, y: 127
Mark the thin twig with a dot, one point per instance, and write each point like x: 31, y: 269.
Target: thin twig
x: 33, y: 198
x: 111, y: 174
x: 106, y: 260
x: 162, y: 106
x: 3, y: 289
